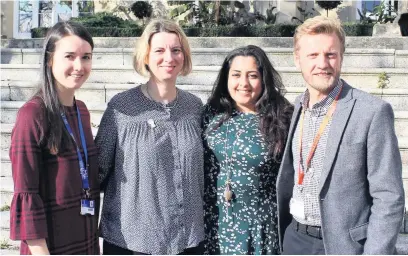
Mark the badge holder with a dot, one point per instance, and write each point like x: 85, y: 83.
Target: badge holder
x: 297, y: 209
x: 87, y: 205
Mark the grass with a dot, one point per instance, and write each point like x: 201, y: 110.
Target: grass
x: 383, y: 80
x: 4, y: 208
x: 4, y: 244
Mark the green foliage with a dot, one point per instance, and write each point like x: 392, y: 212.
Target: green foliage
x: 86, y: 6
x: 383, y: 80
x: 363, y: 17
x: 207, y: 13
x: 4, y: 208
x: 282, y: 30
x: 381, y: 12
x: 305, y: 14
x: 358, y: 29
x: 142, y: 9
x: 4, y: 244
x: 38, y: 32
x: 104, y: 19
x: 271, y: 30
x: 328, y: 5
x: 185, y: 10
x: 270, y: 17
x: 134, y: 31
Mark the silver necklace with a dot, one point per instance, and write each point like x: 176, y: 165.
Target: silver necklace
x: 167, y: 108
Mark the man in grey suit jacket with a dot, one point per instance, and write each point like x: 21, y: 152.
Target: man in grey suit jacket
x: 339, y: 188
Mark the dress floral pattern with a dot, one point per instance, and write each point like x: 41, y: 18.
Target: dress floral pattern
x: 248, y: 223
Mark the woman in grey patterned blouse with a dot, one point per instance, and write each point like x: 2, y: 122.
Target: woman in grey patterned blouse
x: 151, y: 155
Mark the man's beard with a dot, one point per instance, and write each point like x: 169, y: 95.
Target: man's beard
x: 325, y: 85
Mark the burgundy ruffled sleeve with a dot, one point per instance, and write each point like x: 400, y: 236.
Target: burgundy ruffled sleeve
x: 28, y: 219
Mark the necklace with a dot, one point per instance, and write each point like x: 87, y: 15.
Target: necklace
x: 164, y: 105
x: 228, y: 194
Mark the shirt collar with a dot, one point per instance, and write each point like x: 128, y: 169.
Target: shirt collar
x: 324, y: 103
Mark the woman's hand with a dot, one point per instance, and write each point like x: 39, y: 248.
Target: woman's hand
x: 38, y: 247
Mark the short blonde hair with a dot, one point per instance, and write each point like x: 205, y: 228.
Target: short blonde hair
x: 320, y: 25
x: 141, y: 54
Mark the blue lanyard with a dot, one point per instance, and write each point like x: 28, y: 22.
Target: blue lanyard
x: 82, y: 169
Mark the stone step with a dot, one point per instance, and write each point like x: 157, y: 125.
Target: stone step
x: 352, y: 42
x: 103, y: 92
x: 9, y: 109
x: 206, y: 75
x: 280, y: 57
x: 6, y: 165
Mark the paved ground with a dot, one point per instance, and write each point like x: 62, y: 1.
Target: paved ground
x: 402, y: 242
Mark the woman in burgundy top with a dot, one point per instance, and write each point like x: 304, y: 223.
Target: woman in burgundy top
x: 54, y: 160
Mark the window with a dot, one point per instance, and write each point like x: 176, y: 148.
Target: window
x: 25, y: 16
x: 45, y: 14
x: 85, y: 8
x: 368, y: 6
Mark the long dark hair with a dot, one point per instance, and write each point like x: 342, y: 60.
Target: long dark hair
x: 274, y: 110
x: 47, y: 88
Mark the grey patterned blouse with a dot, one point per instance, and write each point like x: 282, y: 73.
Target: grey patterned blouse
x: 151, y: 160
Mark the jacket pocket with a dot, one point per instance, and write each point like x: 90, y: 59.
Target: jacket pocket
x: 359, y: 233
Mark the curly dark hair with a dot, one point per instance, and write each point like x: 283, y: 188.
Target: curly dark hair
x: 274, y: 109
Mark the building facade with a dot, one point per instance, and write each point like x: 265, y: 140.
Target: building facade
x: 19, y: 16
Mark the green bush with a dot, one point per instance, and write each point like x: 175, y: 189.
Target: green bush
x: 38, y: 32
x: 104, y: 19
x: 97, y: 32
x: 276, y: 30
x: 116, y: 32
x: 358, y: 29
x: 282, y: 30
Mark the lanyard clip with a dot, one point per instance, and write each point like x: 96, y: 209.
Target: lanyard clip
x: 87, y: 194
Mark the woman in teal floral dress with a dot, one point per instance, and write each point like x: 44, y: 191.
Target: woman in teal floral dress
x: 246, y: 122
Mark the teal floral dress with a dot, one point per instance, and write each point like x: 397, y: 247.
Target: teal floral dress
x: 236, y: 151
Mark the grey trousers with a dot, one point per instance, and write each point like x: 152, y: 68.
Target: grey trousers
x: 298, y: 243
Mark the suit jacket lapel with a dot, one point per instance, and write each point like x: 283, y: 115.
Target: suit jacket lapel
x: 338, y: 124
x: 293, y: 124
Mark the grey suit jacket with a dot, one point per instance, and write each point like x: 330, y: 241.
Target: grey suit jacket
x: 361, y: 193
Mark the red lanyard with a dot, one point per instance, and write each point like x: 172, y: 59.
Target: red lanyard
x: 323, y: 125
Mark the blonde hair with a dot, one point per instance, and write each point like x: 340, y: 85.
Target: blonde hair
x: 320, y: 25
x: 141, y: 54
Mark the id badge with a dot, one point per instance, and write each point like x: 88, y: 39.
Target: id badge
x: 87, y: 207
x: 297, y: 208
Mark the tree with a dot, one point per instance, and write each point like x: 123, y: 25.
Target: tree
x: 142, y: 9
x: 328, y: 5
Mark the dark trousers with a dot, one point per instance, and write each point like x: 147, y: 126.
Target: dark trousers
x: 296, y: 242
x: 111, y: 249
x: 403, y: 23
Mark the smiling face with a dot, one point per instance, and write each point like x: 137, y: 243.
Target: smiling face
x: 166, y: 57
x: 244, y: 83
x: 71, y: 62
x: 319, y: 57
